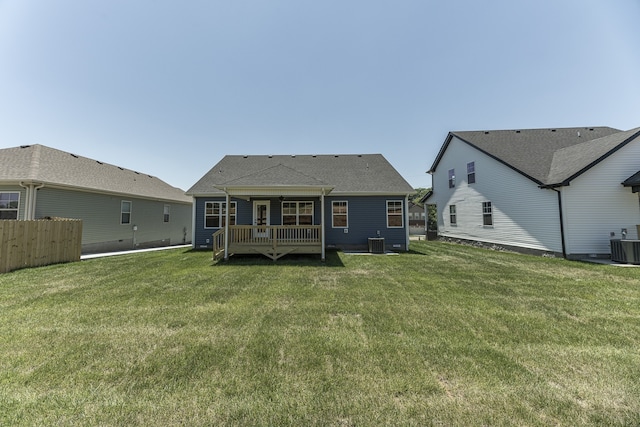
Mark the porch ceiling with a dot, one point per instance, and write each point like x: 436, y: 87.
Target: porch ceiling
x: 275, y: 191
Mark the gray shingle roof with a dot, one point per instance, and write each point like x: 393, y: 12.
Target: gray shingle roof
x: 570, y: 161
x: 41, y: 164
x: 547, y: 156
x: 346, y: 173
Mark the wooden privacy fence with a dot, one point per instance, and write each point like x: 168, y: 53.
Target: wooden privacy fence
x: 40, y: 242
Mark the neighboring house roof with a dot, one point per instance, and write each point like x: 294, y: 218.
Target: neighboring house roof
x: 633, y: 181
x: 413, y: 207
x: 426, y: 196
x: 44, y: 165
x: 550, y: 157
x: 344, y: 173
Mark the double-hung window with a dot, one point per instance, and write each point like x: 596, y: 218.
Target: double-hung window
x: 167, y: 211
x: 395, y: 214
x: 340, y: 214
x: 471, y: 172
x: 453, y: 217
x: 125, y: 212
x: 297, y: 213
x: 215, y: 214
x: 452, y: 178
x: 9, y: 205
x: 487, y: 213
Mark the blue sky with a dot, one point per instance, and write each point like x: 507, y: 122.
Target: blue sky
x: 168, y: 88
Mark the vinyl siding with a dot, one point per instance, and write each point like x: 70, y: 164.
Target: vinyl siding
x: 596, y: 204
x: 100, y: 214
x: 523, y: 214
x: 367, y: 216
x: 244, y: 214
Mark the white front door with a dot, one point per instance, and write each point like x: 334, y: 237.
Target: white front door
x: 261, y: 212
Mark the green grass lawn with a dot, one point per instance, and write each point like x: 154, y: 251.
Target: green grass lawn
x: 443, y: 335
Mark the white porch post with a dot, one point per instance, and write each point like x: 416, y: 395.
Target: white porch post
x: 226, y: 226
x: 406, y: 216
x: 322, y: 256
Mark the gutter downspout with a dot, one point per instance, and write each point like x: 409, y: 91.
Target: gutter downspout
x: 322, y: 254
x: 27, y: 203
x: 193, y: 222
x: 30, y: 203
x: 564, y: 245
x: 226, y: 226
x: 34, y: 197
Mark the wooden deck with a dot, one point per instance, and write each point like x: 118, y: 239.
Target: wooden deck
x: 273, y: 241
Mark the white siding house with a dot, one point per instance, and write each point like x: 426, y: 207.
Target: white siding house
x: 548, y: 190
x: 596, y: 205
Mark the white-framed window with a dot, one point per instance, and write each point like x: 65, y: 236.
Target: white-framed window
x: 471, y: 172
x: 487, y: 213
x: 166, y: 213
x: 453, y: 216
x: 297, y: 213
x: 9, y: 205
x: 340, y: 214
x: 215, y: 214
x: 452, y: 178
x: 125, y: 212
x: 395, y: 214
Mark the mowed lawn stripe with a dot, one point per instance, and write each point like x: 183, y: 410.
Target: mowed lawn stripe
x: 442, y: 335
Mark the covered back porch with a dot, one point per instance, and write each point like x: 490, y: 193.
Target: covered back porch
x: 298, y: 226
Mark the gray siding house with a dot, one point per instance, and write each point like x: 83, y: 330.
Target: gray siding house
x: 120, y: 208
x: 300, y: 203
x: 567, y: 191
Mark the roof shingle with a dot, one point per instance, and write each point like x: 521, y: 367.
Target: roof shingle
x: 547, y: 156
x: 38, y: 163
x: 350, y: 173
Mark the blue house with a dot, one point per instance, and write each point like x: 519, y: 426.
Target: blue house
x: 300, y: 204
